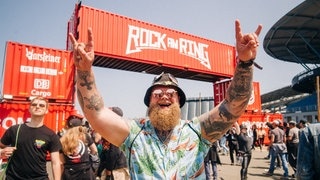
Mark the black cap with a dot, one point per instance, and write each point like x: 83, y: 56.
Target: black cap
x: 165, y: 79
x: 74, y: 122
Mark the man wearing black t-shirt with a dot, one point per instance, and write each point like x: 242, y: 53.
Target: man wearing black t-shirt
x: 26, y: 146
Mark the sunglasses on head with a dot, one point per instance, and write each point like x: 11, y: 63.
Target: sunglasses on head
x: 171, y: 77
x: 159, y: 93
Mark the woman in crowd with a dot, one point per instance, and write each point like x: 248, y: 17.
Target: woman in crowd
x: 75, y: 155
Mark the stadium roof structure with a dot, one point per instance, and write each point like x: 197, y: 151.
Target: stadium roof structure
x: 296, y: 38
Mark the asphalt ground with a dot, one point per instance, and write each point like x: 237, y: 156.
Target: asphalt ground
x: 257, y: 167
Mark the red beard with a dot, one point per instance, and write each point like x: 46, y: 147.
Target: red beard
x: 164, y: 119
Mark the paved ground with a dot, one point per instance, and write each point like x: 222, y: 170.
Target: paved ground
x: 257, y: 167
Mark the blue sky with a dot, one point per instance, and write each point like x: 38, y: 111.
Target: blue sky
x: 44, y: 23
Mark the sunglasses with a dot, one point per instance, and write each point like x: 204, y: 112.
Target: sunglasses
x: 40, y: 105
x: 171, y: 77
x: 159, y: 93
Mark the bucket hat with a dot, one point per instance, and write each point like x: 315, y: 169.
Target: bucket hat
x: 165, y: 79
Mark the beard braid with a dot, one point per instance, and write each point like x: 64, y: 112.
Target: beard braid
x: 164, y: 119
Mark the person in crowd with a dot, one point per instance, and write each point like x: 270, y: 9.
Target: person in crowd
x: 261, y: 134
x: 233, y: 145
x: 77, y: 149
x: 26, y: 145
x: 211, y: 161
x: 254, y: 135
x: 278, y: 147
x: 308, y: 160
x: 113, y: 160
x: 270, y: 127
x: 223, y: 144
x: 292, y: 144
x: 165, y: 146
x: 245, y: 146
x: 75, y: 155
x: 76, y: 118
x: 97, y: 139
x: 302, y: 124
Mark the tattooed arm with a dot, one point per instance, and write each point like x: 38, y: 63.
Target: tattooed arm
x: 216, y: 122
x: 111, y: 126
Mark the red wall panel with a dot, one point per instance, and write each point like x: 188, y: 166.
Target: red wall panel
x: 38, y: 71
x: 220, y: 88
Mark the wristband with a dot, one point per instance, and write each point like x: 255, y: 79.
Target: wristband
x: 245, y: 64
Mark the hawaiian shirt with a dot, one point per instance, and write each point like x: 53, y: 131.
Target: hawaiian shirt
x: 182, y: 158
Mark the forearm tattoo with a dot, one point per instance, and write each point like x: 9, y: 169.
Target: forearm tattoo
x: 213, y: 129
x: 235, y: 102
x: 87, y: 93
x: 84, y: 75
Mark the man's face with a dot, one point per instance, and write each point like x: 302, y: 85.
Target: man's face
x: 38, y: 108
x: 164, y: 108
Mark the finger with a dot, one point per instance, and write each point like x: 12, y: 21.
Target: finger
x: 238, y: 30
x: 90, y: 40
x: 72, y: 38
x: 258, y: 31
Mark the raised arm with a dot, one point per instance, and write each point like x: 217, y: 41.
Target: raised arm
x: 111, y: 126
x: 217, y: 121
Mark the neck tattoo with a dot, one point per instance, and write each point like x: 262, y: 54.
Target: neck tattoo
x: 164, y: 136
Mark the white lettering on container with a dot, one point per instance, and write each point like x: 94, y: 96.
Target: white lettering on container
x: 38, y: 70
x: 10, y: 121
x: 35, y: 92
x: 44, y: 57
x: 41, y: 83
x: 141, y: 38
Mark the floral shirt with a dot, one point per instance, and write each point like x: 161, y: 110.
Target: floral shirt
x: 181, y: 158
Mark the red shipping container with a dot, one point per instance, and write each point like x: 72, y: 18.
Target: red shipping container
x: 220, y: 88
x: 129, y: 44
x: 18, y: 112
x: 38, y: 71
x: 260, y: 119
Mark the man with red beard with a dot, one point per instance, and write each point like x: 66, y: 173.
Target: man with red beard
x: 166, y: 147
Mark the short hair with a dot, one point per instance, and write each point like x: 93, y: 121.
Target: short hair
x: 302, y: 121
x: 292, y: 122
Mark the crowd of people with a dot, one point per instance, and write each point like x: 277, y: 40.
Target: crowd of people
x: 282, y: 145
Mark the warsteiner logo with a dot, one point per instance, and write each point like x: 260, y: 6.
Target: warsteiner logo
x: 141, y: 38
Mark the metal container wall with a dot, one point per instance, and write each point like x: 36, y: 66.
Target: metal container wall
x: 37, y: 71
x: 255, y: 100
x: 196, y: 106
x: 219, y: 90
x: 254, y: 104
x: 125, y: 38
x: 18, y: 112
